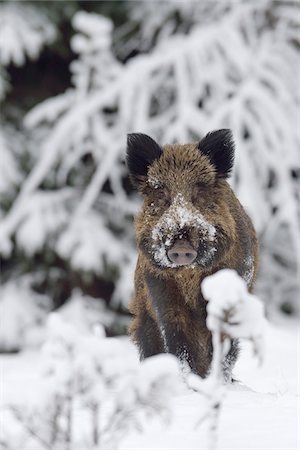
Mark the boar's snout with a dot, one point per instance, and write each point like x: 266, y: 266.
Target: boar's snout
x: 182, y: 253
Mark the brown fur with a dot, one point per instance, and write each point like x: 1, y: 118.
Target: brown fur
x: 168, y: 307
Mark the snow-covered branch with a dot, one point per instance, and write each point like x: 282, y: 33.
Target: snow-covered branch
x: 232, y: 313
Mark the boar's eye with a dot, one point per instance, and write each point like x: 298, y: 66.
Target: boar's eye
x: 200, y: 187
x: 199, y: 191
x: 162, y: 195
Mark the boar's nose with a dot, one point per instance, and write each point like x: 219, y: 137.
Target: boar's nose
x: 182, y: 253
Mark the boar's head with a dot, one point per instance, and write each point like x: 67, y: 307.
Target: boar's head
x: 186, y: 217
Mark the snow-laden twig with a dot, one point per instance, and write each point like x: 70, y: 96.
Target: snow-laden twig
x: 232, y: 313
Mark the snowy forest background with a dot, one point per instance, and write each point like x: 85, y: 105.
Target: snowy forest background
x: 75, y: 78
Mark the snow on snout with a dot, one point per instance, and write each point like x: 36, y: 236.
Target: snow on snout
x: 180, y: 215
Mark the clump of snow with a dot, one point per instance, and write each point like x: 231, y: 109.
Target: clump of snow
x: 163, y: 335
x: 179, y: 215
x: 232, y: 310
x: 249, y: 269
x: 24, y: 31
x: 97, y: 28
x: 153, y: 181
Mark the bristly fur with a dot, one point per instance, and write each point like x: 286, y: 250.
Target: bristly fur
x: 142, y: 150
x: 218, y: 146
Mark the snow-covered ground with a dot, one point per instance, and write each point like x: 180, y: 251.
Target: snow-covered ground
x: 261, y: 411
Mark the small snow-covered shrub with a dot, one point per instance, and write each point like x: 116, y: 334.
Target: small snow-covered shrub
x: 91, y: 391
x: 142, y: 395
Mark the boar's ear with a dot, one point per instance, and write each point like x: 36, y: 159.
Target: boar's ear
x: 218, y: 146
x: 142, y: 150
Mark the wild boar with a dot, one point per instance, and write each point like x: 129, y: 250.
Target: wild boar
x: 190, y: 225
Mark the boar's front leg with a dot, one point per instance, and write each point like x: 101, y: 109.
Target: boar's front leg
x: 146, y: 335
x: 182, y: 328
